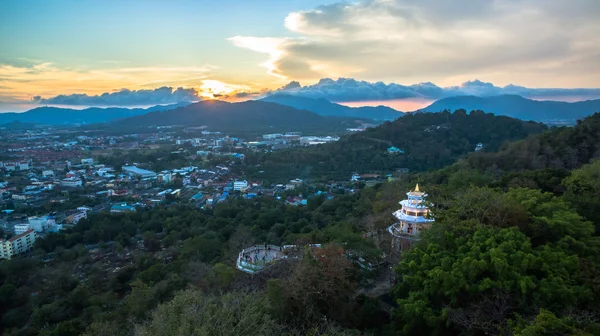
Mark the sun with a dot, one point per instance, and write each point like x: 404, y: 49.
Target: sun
x: 213, y: 89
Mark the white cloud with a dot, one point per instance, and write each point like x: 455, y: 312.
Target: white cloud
x: 527, y: 41
x: 348, y: 90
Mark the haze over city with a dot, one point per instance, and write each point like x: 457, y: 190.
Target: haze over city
x: 141, y: 53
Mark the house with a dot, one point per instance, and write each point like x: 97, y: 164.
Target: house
x: 71, y: 182
x: 120, y: 208
x: 87, y: 162
x: 395, y: 150
x: 75, y: 217
x: 20, y: 197
x: 296, y: 201
x: 479, y: 147
x: 240, y: 185
x: 18, y: 244
x: 48, y: 173
x: 145, y: 184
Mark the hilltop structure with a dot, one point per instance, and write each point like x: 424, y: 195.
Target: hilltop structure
x: 412, y: 218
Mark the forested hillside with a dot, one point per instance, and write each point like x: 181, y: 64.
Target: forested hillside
x: 519, y: 107
x: 240, y: 118
x: 513, y: 251
x: 429, y: 141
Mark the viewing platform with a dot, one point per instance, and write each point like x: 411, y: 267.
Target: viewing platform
x: 255, y: 258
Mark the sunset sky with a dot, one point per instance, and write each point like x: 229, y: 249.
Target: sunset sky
x: 237, y: 50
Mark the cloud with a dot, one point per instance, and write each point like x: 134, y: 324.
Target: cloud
x: 349, y: 90
x: 532, y: 41
x: 22, y: 83
x: 125, y: 97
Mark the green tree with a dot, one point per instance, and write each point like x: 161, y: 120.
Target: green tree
x: 193, y: 313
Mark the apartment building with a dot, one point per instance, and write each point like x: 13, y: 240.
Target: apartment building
x: 17, y: 245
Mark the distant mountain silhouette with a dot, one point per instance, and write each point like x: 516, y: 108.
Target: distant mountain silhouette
x: 327, y: 108
x: 248, y: 116
x: 519, y: 107
x: 64, y: 116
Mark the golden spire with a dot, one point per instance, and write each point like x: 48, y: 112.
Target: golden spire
x: 417, y: 187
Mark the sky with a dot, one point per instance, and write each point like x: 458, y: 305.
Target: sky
x: 135, y: 53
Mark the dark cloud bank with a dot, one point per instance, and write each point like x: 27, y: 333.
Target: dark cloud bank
x: 125, y: 97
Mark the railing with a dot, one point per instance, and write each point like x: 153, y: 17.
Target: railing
x: 400, y: 234
x: 255, y: 266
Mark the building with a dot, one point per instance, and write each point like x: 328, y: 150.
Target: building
x: 87, y: 162
x: 240, y: 185
x: 135, y: 171
x: 120, y: 208
x: 40, y: 224
x: 17, y: 245
x: 412, y: 218
x: 75, y: 217
x: 272, y: 136
x: 479, y: 147
x: 165, y: 178
x: 21, y: 228
x: 315, y: 140
x: 48, y: 173
x: 71, y: 182
x: 395, y: 150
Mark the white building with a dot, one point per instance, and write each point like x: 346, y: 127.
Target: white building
x: 88, y: 161
x: 240, y: 185
x: 48, y: 173
x: 71, y: 182
x: 40, y: 224
x: 412, y: 218
x: 135, y: 171
x: 314, y: 140
x: 272, y: 136
x: 18, y: 244
x: 21, y: 228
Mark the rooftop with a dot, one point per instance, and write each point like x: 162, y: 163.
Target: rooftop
x: 21, y: 235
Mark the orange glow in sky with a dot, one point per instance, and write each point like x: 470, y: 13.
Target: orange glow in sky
x: 404, y: 105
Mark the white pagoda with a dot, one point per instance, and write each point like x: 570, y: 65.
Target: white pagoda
x: 412, y: 218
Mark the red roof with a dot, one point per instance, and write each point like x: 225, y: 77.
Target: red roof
x: 21, y: 235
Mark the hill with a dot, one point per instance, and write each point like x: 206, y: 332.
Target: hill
x: 327, y: 108
x: 64, y: 116
x: 429, y: 141
x: 244, y: 117
x: 518, y: 107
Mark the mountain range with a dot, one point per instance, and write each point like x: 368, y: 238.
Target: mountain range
x: 326, y: 108
x: 553, y: 112
x: 248, y: 116
x: 48, y: 115
x: 518, y: 107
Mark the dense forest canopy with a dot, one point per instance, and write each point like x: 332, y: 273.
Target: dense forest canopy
x: 514, y: 251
